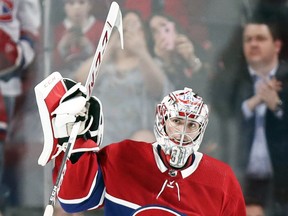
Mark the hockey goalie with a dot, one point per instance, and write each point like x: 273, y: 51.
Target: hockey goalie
x: 168, y: 177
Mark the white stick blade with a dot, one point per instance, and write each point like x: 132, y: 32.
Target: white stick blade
x: 115, y: 9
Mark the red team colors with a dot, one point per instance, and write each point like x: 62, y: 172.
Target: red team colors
x: 132, y: 178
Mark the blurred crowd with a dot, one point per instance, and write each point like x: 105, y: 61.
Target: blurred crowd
x: 232, y: 53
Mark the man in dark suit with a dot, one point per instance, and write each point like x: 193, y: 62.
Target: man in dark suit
x: 253, y: 89
x: 261, y: 95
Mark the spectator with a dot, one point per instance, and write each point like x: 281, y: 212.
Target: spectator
x: 258, y: 91
x: 173, y: 49
x: 191, y: 15
x: 129, y: 82
x: 76, y: 36
x: 265, y: 112
x: 19, y: 26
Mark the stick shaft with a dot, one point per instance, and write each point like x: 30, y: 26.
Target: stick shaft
x: 114, y: 19
x: 63, y: 166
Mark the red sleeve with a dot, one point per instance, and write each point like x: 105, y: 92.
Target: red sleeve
x: 79, y: 178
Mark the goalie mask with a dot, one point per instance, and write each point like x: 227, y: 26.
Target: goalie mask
x: 181, y: 120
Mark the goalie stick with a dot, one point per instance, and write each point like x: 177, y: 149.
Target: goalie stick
x: 114, y: 19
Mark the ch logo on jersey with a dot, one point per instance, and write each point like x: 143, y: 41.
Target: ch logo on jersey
x: 156, y: 211
x: 6, y: 7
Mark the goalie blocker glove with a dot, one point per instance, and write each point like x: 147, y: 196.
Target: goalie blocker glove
x: 61, y: 103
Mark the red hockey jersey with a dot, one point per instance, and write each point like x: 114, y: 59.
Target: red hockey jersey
x: 129, y: 178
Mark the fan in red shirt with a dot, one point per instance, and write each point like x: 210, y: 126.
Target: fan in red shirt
x: 77, y: 35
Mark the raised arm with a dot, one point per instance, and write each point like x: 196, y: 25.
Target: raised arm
x: 61, y: 103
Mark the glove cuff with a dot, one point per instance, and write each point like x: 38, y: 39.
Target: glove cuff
x: 81, y: 146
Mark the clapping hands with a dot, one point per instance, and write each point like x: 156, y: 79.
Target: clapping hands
x: 267, y: 91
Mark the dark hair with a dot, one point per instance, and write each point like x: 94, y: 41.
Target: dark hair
x: 270, y: 23
x: 168, y: 17
x: 138, y: 13
x: 275, y: 15
x: 151, y: 42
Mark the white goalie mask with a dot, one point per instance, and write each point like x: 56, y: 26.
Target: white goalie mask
x: 181, y: 120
